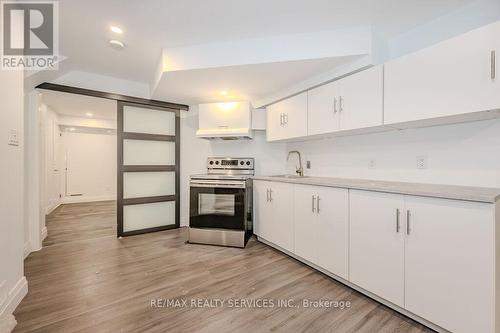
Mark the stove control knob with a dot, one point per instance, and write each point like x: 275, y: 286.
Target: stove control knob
x: 217, y: 162
x: 241, y: 162
x: 211, y: 162
x: 248, y: 162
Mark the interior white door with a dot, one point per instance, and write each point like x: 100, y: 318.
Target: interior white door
x: 322, y: 109
x: 305, y: 222
x: 377, y: 244
x: 450, y: 256
x: 361, y: 99
x: 449, y: 78
x: 332, y: 241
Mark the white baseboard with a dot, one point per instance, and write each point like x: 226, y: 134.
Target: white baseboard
x: 82, y: 199
x: 50, y: 209
x: 14, y: 297
x: 44, y: 233
x: 27, y: 250
x: 7, y: 323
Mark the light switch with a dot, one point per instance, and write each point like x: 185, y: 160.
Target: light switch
x: 13, y: 138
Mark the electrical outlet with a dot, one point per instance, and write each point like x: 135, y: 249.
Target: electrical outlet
x: 308, y: 164
x: 421, y: 162
x: 372, y: 163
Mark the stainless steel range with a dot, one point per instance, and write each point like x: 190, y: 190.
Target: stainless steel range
x: 221, y: 202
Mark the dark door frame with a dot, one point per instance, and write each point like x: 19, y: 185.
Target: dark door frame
x: 152, y: 104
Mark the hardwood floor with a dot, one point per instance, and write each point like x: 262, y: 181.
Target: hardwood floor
x: 87, y: 280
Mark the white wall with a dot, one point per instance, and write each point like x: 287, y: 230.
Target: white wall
x: 463, y: 154
x: 270, y: 158
x: 91, y: 162
x: 13, y: 285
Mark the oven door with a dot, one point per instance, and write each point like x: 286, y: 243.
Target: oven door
x: 215, y: 204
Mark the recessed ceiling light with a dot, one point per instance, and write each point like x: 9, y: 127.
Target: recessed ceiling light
x: 116, y: 44
x: 72, y: 129
x: 116, y: 30
x: 223, y: 92
x: 89, y: 114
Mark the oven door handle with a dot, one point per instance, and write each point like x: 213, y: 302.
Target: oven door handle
x: 218, y: 185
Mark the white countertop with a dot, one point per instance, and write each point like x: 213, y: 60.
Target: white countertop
x: 467, y: 193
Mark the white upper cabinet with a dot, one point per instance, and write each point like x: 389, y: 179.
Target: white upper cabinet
x: 351, y: 103
x: 450, y: 263
x: 377, y: 244
x: 287, y: 119
x: 361, y: 99
x: 322, y: 110
x: 454, y: 77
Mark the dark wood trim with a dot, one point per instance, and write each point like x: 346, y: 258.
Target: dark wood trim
x: 148, y: 230
x: 117, y: 97
x: 119, y: 140
x: 121, y: 136
x: 147, y: 168
x: 144, y: 200
x: 151, y: 137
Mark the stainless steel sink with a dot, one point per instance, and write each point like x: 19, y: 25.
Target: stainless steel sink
x: 289, y: 176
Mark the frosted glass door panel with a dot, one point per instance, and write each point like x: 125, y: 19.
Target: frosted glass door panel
x: 141, y: 120
x: 148, y: 184
x: 150, y: 215
x: 144, y: 152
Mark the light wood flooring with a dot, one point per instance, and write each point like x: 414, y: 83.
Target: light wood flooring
x: 87, y: 280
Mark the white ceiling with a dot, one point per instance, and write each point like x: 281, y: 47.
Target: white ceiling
x: 152, y: 25
x: 78, y: 105
x: 242, y: 83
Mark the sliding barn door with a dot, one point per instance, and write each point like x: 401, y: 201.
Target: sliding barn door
x: 148, y: 169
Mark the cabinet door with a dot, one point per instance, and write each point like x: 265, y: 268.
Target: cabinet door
x: 274, y: 126
x: 376, y: 244
x: 322, y: 109
x: 261, y: 211
x: 294, y: 125
x: 450, y: 78
x: 305, y: 223
x: 281, y: 215
x: 362, y: 99
x: 450, y: 260
x: 332, y: 241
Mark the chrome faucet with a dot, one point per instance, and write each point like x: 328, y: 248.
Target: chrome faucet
x: 299, y: 170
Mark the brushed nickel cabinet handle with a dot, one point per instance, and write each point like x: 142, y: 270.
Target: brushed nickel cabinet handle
x: 281, y: 119
x: 408, y: 215
x: 341, y: 108
x: 270, y: 195
x: 285, y: 119
x: 493, y: 65
x: 317, y: 205
x: 398, y: 227
x: 335, y: 105
x: 312, y: 206
x: 267, y: 195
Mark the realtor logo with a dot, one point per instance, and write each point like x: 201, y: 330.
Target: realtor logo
x: 29, y: 35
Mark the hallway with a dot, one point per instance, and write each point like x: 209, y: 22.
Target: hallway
x: 81, y: 221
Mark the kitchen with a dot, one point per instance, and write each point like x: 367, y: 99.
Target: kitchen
x: 272, y: 181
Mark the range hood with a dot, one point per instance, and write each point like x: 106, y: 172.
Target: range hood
x: 225, y: 121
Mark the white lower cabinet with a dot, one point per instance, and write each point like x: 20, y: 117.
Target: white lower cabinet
x: 321, y: 220
x: 435, y: 258
x: 273, y: 213
x: 377, y: 244
x: 450, y: 262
